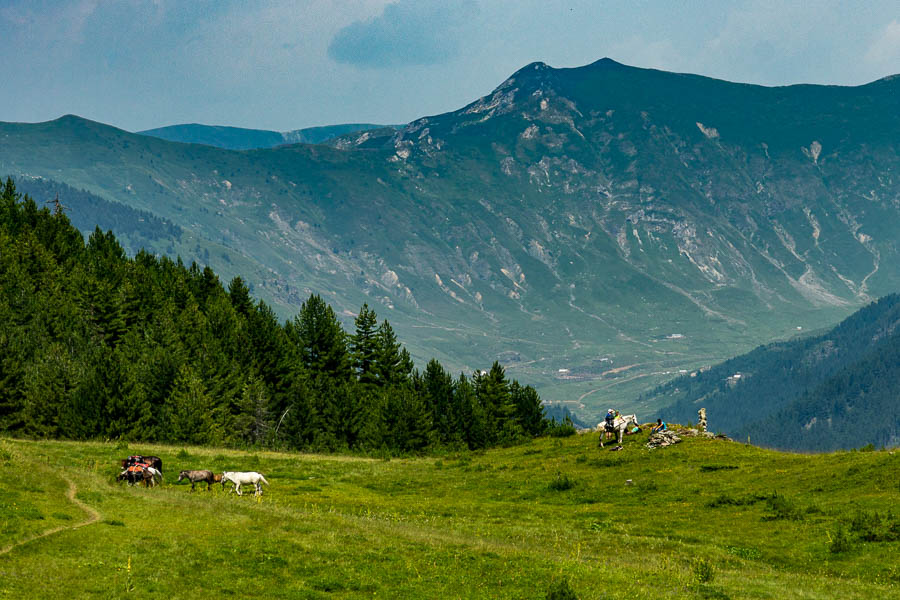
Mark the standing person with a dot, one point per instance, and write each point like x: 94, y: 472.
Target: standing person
x: 610, y: 420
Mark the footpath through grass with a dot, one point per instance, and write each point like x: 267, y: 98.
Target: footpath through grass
x: 702, y: 519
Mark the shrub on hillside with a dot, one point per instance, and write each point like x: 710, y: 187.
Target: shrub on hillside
x: 727, y: 500
x: 875, y: 526
x: 561, y: 590
x: 561, y: 483
x: 560, y: 429
x: 839, y: 540
x: 782, y: 507
x: 703, y: 570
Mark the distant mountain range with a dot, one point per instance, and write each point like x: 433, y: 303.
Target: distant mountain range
x: 237, y: 138
x: 597, y: 229
x: 833, y: 390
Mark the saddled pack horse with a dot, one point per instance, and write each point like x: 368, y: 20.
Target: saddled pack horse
x: 197, y: 476
x: 137, y: 459
x: 139, y: 473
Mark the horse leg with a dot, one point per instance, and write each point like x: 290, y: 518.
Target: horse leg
x: 193, y: 483
x: 237, y: 488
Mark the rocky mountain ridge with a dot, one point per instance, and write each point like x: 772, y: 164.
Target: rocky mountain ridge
x: 598, y: 228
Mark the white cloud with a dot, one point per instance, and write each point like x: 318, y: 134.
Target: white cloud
x: 884, y: 51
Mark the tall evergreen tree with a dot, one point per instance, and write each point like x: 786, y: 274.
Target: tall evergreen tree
x: 253, y: 422
x: 192, y: 415
x: 320, y: 342
x: 529, y: 409
x: 438, y: 391
x: 364, y: 346
x: 473, y: 418
x: 239, y: 294
x: 393, y: 363
x: 492, y: 390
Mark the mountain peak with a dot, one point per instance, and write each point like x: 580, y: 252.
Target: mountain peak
x: 605, y: 62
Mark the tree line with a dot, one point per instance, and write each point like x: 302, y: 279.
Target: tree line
x: 98, y: 345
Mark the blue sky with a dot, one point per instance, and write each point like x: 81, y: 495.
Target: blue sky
x: 284, y: 64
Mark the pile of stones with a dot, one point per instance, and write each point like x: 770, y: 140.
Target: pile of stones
x: 661, y: 439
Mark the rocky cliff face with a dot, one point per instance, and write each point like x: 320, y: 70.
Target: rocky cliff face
x: 598, y: 228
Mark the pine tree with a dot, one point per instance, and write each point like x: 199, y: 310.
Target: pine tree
x: 192, y: 417
x: 240, y: 296
x: 413, y: 423
x: 529, y: 409
x: 492, y: 390
x: 320, y: 342
x: 474, y: 420
x: 253, y: 422
x: 298, y: 421
x: 364, y: 346
x: 438, y: 392
x: 393, y: 363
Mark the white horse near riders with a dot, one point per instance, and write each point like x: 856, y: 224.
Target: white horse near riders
x: 619, y: 426
x: 249, y: 477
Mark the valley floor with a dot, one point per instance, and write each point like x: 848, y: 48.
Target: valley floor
x: 702, y: 519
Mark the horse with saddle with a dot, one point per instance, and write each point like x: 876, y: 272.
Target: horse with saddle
x: 138, y: 468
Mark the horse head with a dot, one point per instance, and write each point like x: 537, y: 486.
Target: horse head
x: 182, y: 475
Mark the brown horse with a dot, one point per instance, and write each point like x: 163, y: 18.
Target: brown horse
x: 197, y: 476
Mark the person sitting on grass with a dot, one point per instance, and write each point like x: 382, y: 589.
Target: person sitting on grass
x: 660, y: 426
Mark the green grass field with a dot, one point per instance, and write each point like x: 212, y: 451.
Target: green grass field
x: 703, y: 519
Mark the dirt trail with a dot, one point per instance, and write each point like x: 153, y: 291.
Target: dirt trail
x: 93, y: 517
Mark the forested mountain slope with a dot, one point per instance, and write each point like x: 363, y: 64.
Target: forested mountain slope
x: 135, y: 229
x: 833, y: 390
x: 99, y: 345
x: 596, y: 229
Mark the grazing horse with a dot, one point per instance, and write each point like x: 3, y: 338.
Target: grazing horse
x: 153, y: 461
x: 620, y: 425
x: 237, y: 478
x: 196, y: 476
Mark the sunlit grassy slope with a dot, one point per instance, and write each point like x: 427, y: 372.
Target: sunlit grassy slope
x: 704, y: 519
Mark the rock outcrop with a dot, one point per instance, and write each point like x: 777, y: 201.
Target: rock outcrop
x: 661, y: 439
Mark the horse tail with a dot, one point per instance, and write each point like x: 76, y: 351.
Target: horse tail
x: 263, y: 479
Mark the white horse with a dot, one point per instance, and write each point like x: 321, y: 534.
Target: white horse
x: 620, y: 426
x: 237, y: 478
x: 157, y: 475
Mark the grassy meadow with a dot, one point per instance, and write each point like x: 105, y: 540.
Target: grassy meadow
x: 702, y: 519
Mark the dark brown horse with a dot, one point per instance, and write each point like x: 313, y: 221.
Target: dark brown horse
x: 197, y: 476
